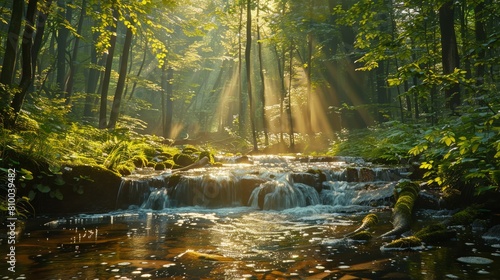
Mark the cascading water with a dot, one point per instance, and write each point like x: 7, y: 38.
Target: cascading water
x: 269, y: 183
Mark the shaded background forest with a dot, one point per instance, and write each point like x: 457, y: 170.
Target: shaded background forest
x: 177, y: 69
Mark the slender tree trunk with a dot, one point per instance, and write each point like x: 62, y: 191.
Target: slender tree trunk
x: 280, y: 63
x: 480, y: 33
x: 10, y: 57
x: 243, y: 105
x: 449, y: 52
x: 140, y: 70
x: 107, y: 74
x: 309, y: 70
x: 62, y: 45
x: 163, y: 93
x: 382, y: 98
x: 289, y: 99
x: 120, y: 85
x: 262, y: 78
x: 27, y: 67
x: 74, y: 56
x: 93, y: 79
x: 169, y: 103
x: 249, y: 73
x: 40, y: 29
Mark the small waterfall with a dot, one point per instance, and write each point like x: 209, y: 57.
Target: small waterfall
x: 343, y: 193
x: 209, y: 190
x: 267, y: 183
x: 133, y: 192
x: 282, y: 193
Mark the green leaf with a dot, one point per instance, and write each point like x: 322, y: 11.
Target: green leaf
x: 42, y: 188
x: 26, y: 174
x: 59, y: 181
x: 426, y: 165
x: 57, y: 194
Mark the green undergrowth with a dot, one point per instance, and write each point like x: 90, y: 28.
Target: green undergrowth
x: 386, y: 143
x: 460, y: 155
x: 42, y: 149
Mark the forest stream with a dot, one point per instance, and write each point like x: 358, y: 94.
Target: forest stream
x: 268, y: 218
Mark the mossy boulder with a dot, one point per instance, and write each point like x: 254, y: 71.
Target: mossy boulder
x: 184, y: 159
x: 190, y: 149
x: 160, y: 166
x: 85, y: 188
x: 169, y: 164
x: 435, y: 233
x: 405, y: 243
x: 465, y: 216
x: 207, y: 154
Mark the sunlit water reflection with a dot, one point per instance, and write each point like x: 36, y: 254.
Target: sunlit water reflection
x: 233, y: 243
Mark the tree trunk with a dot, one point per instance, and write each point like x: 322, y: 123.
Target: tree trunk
x: 309, y: 70
x: 27, y: 69
x: 72, y: 65
x: 10, y: 56
x: 120, y: 86
x: 92, y: 80
x: 289, y: 99
x: 169, y: 103
x: 249, y: 74
x: 62, y: 42
x: 280, y: 63
x: 140, y: 70
x: 243, y: 105
x: 40, y: 29
x: 262, y: 78
x: 107, y: 74
x: 449, y: 52
x: 481, y: 37
x: 382, y: 98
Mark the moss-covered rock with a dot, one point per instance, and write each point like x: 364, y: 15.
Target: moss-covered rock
x: 435, y: 233
x: 465, y: 216
x: 190, y: 149
x: 406, y: 243
x: 160, y: 166
x: 207, y: 154
x: 169, y: 164
x: 86, y: 188
x: 184, y: 159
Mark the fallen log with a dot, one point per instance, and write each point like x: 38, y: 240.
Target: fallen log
x: 403, y: 209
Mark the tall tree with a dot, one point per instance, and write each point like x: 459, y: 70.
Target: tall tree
x: 108, y: 67
x: 10, y: 56
x: 249, y: 73
x: 120, y: 86
x: 262, y: 78
x: 62, y: 43
x: 27, y: 67
x: 449, y: 52
x: 73, y: 65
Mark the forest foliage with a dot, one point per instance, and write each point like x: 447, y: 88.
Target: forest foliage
x: 114, y: 83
